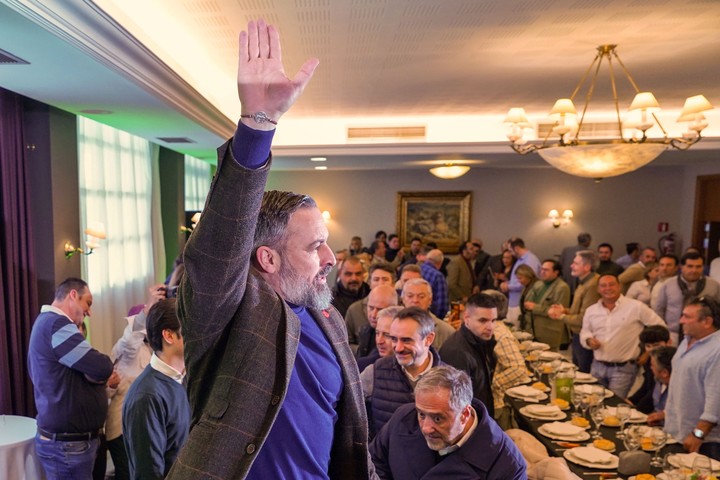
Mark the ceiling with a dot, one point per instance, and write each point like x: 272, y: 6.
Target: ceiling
x: 166, y: 68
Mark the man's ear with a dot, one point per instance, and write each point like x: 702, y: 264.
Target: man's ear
x: 429, y: 339
x: 267, y: 259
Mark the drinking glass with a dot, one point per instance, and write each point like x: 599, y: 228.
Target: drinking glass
x: 659, y: 439
x: 584, y: 404
x: 631, y: 438
x: 701, y: 467
x: 671, y: 471
x: 622, y: 412
x: 597, y: 413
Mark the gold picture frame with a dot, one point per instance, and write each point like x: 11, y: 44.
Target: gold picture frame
x: 440, y: 217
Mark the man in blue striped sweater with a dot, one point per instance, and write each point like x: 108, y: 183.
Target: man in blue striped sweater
x: 68, y: 377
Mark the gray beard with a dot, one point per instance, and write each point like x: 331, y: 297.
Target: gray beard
x: 303, y: 294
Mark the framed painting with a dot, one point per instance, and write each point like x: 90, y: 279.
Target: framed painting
x: 440, y: 217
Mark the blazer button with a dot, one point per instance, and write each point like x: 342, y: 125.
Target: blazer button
x: 275, y: 400
x: 250, y: 449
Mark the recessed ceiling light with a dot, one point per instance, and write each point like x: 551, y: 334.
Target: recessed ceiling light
x: 321, y: 167
x: 318, y: 159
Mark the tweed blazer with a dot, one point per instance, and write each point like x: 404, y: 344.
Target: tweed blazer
x: 460, y: 279
x: 586, y: 294
x: 241, y: 339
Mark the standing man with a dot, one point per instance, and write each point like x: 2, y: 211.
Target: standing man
x: 417, y: 293
x: 356, y: 317
x: 568, y: 255
x: 586, y: 294
x: 692, y: 410
x: 350, y: 286
x: 513, y: 287
x: 156, y: 413
x: 674, y: 292
x: 272, y: 382
x: 633, y: 255
x: 668, y: 266
x: 383, y: 344
x: 611, y: 329
x: 606, y: 264
x: 382, y: 296
x: 551, y: 290
x: 447, y: 434
x: 636, y: 271
x: 389, y: 382
x: 461, y: 276
x: 69, y: 378
x: 430, y: 270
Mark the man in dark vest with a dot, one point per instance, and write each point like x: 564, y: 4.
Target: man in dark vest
x: 389, y: 382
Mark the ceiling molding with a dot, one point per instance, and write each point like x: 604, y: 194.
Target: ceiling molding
x: 85, y: 26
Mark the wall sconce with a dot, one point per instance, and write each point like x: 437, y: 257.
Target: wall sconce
x: 558, y: 220
x: 326, y: 216
x: 194, y: 220
x: 95, y: 232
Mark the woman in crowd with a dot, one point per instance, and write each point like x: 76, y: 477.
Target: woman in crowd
x: 641, y: 289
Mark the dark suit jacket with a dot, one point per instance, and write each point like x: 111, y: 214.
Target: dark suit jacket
x: 240, y: 343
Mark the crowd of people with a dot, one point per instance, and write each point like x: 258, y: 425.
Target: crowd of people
x: 260, y: 369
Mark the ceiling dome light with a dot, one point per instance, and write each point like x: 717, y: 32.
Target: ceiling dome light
x: 450, y: 171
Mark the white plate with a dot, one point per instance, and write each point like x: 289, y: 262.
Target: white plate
x: 675, y: 461
x: 547, y: 355
x: 602, y: 466
x: 532, y: 346
x: 636, y: 417
x: 512, y: 393
x: 568, y: 438
x: 557, y: 416
x: 582, y: 378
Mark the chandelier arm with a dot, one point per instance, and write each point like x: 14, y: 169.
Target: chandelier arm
x: 659, y: 124
x: 684, y: 144
x: 615, y: 96
x: 625, y: 70
x: 588, y: 97
x: 598, y: 58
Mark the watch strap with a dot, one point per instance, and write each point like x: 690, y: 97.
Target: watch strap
x: 260, y: 118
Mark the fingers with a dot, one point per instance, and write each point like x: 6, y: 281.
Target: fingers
x: 274, y: 38
x: 305, y: 74
x: 252, y: 41
x: 264, y: 33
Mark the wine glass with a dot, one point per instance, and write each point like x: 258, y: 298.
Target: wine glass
x: 701, y: 467
x: 671, y: 471
x: 659, y: 439
x: 631, y: 438
x: 597, y: 413
x: 535, y: 365
x: 584, y: 403
x: 622, y: 412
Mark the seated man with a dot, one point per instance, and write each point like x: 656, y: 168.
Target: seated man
x: 661, y: 364
x: 156, y: 413
x: 445, y: 433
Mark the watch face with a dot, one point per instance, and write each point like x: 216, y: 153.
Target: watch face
x: 698, y: 433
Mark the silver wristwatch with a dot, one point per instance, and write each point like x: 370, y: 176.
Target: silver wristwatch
x: 697, y: 433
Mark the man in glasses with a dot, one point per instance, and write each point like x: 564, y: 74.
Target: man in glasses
x: 693, y: 404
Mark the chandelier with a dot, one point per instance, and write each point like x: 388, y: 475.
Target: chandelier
x: 613, y: 156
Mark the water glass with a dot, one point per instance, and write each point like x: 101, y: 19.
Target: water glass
x: 631, y: 438
x: 576, y: 401
x: 584, y: 403
x: 597, y: 413
x: 659, y: 439
x: 701, y: 467
x: 622, y: 412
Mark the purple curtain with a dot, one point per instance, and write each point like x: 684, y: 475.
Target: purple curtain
x: 18, y: 283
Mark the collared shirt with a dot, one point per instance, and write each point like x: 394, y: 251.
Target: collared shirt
x: 617, y: 329
x: 439, y: 288
x: 367, y: 377
x: 166, y: 369
x: 510, y: 369
x: 464, y: 438
x: 515, y: 288
x: 53, y: 309
x: 414, y: 378
x: 694, y: 386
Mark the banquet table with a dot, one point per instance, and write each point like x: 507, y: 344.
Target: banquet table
x: 17, y: 448
x: 531, y: 426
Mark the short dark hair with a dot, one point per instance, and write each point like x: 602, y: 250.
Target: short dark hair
x: 584, y: 239
x: 68, y: 285
x: 392, y: 235
x: 385, y: 267
x: 411, y: 267
x: 374, y: 246
x: 275, y: 211
x: 555, y: 264
x: 631, y: 247
x: 690, y: 256
x: 672, y: 257
x: 416, y: 239
x: 423, y: 318
x: 380, y: 232
x: 501, y: 302
x: 605, y: 244
x: 353, y: 260
x: 481, y: 300
x: 464, y: 246
x: 654, y: 334
x: 663, y: 357
x: 517, y: 242
x: 162, y: 316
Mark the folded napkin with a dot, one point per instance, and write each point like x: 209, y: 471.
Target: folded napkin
x: 525, y: 391
x: 585, y: 377
x: 586, y: 388
x: 562, y: 428
x: 536, y: 346
x: 592, y: 455
x: 543, y: 410
x: 634, y: 414
x: 550, y: 355
x: 687, y: 459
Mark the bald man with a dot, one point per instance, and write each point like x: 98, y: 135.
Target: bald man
x: 382, y: 296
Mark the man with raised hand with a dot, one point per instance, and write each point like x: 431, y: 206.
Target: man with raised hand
x: 272, y: 382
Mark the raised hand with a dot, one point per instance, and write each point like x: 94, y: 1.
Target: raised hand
x: 263, y: 85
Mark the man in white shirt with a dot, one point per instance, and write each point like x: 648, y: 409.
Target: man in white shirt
x: 611, y: 329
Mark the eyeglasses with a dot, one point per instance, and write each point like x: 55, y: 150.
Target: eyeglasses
x: 709, y: 303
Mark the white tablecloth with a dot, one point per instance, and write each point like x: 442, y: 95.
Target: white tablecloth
x: 17, y: 449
